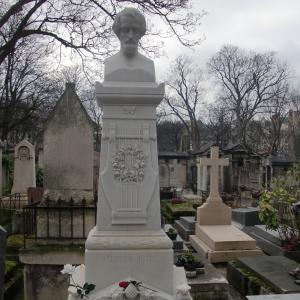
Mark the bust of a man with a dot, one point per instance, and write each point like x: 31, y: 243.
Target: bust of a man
x: 128, y: 64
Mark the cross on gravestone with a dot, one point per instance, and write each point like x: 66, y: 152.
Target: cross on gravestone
x: 2, y: 259
x: 214, y: 162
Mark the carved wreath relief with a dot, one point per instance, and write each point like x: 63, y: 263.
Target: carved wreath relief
x: 129, y: 164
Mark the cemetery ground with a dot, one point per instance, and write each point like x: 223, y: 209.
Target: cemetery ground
x: 243, y: 278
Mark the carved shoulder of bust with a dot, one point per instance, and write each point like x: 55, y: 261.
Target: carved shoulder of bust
x: 121, y: 68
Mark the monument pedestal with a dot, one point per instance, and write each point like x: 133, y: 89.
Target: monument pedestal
x: 144, y: 255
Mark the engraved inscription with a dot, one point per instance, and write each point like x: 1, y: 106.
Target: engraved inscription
x: 118, y: 259
x: 23, y: 153
x: 129, y: 110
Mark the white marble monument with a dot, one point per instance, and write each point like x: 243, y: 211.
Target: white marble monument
x: 128, y: 241
x: 24, y: 168
x: 215, y: 237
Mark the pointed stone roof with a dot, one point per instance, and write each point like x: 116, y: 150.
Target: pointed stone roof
x: 68, y: 98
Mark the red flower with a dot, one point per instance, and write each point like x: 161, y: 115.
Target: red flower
x: 123, y: 284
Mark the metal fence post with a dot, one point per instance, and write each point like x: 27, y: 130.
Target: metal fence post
x: 2, y: 259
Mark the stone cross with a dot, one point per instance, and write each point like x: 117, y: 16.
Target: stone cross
x: 2, y: 259
x: 214, y: 162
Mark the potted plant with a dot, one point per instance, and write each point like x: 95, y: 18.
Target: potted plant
x: 180, y: 262
x: 172, y: 234
x: 190, y: 264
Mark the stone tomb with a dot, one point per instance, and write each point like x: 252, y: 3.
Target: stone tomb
x: 24, y: 168
x: 68, y: 150
x: 270, y: 242
x: 185, y: 227
x: 274, y: 270
x: 215, y: 237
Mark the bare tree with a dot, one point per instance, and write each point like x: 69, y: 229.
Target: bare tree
x: 249, y: 83
x: 219, y: 123
x: 276, y: 113
x: 183, y: 97
x: 84, y: 25
x: 168, y: 135
x: 25, y: 92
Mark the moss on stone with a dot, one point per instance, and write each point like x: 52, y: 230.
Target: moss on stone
x: 15, y: 241
x: 11, y: 268
x: 255, y: 283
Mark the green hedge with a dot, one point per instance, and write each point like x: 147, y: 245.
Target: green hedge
x: 173, y: 212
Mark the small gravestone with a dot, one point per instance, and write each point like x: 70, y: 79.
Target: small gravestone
x: 185, y: 226
x: 24, y: 168
x: 2, y: 259
x: 274, y: 270
x: 246, y: 199
x: 68, y: 150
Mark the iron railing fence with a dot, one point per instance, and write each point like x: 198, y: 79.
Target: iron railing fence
x: 58, y: 220
x: 13, y: 201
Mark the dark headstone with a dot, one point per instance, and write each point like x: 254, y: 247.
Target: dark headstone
x: 185, y: 227
x: 189, y: 222
x: 178, y: 244
x: 2, y: 259
x: 274, y: 270
x: 247, y: 216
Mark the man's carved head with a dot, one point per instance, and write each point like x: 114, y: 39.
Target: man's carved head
x: 129, y: 26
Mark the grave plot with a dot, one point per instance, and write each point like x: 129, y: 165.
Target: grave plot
x: 262, y: 275
x: 215, y: 238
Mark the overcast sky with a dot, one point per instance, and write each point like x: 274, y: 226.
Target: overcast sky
x: 259, y: 25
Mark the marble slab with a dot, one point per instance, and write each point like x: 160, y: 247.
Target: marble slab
x: 275, y: 297
x: 274, y: 270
